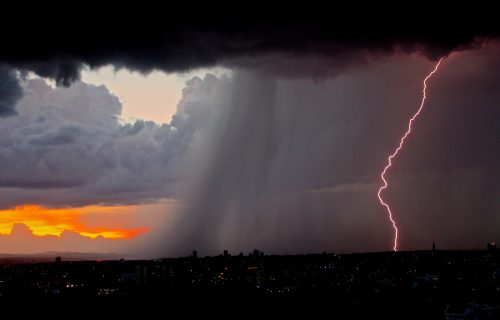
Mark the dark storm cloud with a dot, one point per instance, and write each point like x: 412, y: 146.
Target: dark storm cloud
x: 180, y: 39
x: 57, y: 45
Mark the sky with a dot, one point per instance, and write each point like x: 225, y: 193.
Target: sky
x: 153, y: 96
x: 143, y: 97
x: 237, y: 134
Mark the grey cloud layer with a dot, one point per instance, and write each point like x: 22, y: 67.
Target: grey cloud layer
x: 67, y: 147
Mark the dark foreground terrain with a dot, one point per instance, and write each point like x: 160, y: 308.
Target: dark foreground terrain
x: 420, y: 285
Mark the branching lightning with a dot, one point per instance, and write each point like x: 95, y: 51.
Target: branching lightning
x: 394, y: 154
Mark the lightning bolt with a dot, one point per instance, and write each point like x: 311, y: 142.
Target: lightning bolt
x: 395, y: 153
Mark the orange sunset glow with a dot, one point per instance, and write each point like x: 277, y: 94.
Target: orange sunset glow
x: 53, y: 221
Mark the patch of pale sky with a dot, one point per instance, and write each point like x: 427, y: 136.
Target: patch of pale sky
x: 153, y: 96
